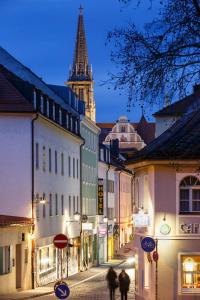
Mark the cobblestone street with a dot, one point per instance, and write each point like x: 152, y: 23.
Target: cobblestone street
x: 95, y: 288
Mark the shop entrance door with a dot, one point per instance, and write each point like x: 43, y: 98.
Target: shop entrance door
x: 18, y: 266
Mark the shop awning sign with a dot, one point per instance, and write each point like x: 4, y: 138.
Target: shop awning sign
x: 100, y: 197
x: 60, y: 241
x: 148, y: 244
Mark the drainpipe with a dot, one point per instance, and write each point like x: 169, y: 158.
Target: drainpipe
x: 81, y: 202
x: 107, y: 203
x: 119, y: 211
x: 32, y: 196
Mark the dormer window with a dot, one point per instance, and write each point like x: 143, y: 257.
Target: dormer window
x: 60, y: 116
x: 41, y: 104
x: 53, y: 111
x: 189, y: 195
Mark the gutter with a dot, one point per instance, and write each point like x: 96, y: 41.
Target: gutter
x: 32, y: 196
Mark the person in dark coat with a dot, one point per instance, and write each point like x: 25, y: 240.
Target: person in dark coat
x: 124, y: 283
x: 111, y: 277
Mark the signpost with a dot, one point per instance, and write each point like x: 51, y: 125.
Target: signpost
x: 62, y: 291
x: 60, y: 241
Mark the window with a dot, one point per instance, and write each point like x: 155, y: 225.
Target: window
x: 5, y: 260
x: 190, y: 194
x: 77, y: 168
x: 74, y: 204
x: 77, y: 204
x: 44, y: 158
x: 37, y: 156
x: 56, y: 162
x: 70, y: 205
x: 81, y: 94
x: 62, y: 164
x: 47, y: 103
x: 69, y: 165
x: 44, y: 208
x: 50, y: 205
x: 53, y: 111
x: 110, y: 186
x: 62, y: 205
x: 42, y: 104
x: 56, y: 204
x: 49, y: 159
x: 73, y: 167
x: 190, y: 273
x: 60, y: 116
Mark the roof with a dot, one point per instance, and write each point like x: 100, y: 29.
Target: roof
x: 11, y: 99
x: 25, y: 74
x: 145, y: 129
x: 181, y: 141
x: 178, y: 108
x: 14, y: 221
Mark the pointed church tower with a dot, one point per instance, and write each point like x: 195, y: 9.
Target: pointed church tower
x: 80, y: 77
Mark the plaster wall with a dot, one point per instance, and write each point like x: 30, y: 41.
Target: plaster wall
x: 15, y: 162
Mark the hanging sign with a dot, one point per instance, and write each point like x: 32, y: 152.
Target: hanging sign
x: 148, y: 244
x: 100, y: 197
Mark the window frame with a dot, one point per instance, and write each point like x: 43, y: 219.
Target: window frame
x: 190, y: 188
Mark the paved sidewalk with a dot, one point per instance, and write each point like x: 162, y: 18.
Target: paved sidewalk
x: 71, y: 281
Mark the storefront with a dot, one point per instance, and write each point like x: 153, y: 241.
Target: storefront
x: 48, y: 261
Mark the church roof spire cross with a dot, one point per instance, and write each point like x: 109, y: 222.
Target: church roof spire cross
x: 81, y: 69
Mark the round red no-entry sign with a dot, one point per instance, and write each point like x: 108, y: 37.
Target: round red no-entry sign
x: 60, y: 241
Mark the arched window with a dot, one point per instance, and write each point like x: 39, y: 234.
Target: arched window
x: 189, y: 194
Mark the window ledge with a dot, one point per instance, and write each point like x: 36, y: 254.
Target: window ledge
x: 192, y: 213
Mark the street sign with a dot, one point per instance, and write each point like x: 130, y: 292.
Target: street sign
x: 148, y: 244
x: 62, y: 291
x: 60, y: 241
x: 155, y: 256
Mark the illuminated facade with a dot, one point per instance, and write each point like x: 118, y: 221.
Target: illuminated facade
x: 167, y: 209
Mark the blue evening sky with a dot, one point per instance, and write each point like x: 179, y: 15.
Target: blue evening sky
x: 41, y: 34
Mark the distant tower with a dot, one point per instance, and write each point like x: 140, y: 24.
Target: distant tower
x: 80, y: 77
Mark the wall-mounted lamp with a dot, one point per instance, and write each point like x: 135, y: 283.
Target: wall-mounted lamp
x: 165, y: 228
x: 40, y: 200
x: 115, y: 220
x: 105, y: 219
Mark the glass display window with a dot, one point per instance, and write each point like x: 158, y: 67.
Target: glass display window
x: 190, y: 273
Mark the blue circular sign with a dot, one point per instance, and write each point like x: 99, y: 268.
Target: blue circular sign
x: 62, y: 291
x: 148, y: 244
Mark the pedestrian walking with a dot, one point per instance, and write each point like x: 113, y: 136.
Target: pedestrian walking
x: 111, y: 277
x: 124, y: 283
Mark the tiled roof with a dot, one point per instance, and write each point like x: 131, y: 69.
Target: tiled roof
x: 14, y: 220
x: 10, y: 97
x: 145, y: 129
x: 181, y: 141
x: 178, y: 108
x: 24, y: 73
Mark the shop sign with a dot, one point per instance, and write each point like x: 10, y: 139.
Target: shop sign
x: 103, y: 229
x: 100, y: 197
x: 191, y: 228
x: 148, y: 244
x: 141, y: 220
x: 87, y: 226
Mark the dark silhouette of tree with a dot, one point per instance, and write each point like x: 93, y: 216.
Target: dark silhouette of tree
x: 162, y: 60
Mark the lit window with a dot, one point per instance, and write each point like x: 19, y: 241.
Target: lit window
x: 44, y: 208
x: 190, y: 194
x: 190, y: 273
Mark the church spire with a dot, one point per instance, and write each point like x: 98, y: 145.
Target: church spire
x: 80, y: 77
x: 81, y: 69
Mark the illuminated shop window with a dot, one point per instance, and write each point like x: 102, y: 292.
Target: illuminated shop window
x: 190, y: 194
x: 190, y: 273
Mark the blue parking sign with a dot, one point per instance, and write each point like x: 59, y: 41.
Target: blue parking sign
x: 148, y: 244
x: 62, y: 291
